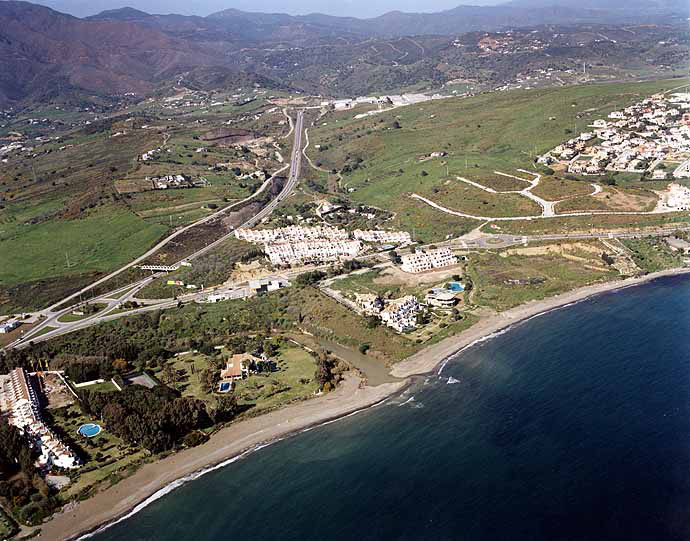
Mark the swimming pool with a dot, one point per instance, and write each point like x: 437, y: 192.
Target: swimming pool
x: 89, y: 430
x: 225, y: 387
x: 456, y: 286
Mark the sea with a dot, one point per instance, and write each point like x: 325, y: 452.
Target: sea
x: 574, y: 425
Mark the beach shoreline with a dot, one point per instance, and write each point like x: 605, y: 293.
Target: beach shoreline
x: 155, y: 479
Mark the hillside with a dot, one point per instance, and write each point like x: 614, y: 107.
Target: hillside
x: 43, y: 53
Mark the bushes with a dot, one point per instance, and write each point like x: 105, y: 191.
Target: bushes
x: 310, y: 278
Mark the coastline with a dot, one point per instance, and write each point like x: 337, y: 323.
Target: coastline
x: 155, y: 479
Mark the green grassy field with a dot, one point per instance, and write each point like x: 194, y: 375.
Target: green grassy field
x: 380, y: 155
x: 98, y: 242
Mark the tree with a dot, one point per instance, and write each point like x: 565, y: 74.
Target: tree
x: 225, y: 409
x: 120, y: 365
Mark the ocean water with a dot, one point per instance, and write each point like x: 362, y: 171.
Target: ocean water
x: 572, y: 426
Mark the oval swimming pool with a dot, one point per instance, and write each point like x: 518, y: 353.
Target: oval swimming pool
x: 89, y: 430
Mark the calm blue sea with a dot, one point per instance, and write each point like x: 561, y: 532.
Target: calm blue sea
x: 572, y: 426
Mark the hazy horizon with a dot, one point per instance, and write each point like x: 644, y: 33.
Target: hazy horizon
x: 347, y: 8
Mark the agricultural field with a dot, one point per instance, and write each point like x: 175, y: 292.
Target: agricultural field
x: 557, y: 189
x: 612, y: 198
x: 79, y: 205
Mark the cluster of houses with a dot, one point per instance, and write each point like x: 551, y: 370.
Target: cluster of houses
x: 298, y: 245
x: 150, y: 155
x: 383, y: 237
x: 644, y: 137
x: 292, y: 233
x: 175, y: 181
x: 21, y: 403
x: 426, y: 260
x: 312, y: 251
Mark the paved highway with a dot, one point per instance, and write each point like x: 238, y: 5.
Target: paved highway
x: 51, y: 316
x: 294, y: 165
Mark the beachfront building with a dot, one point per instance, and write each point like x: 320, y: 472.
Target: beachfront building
x: 401, y: 314
x: 427, y: 260
x: 383, y: 237
x: 316, y: 251
x: 23, y: 408
x: 441, y: 298
x: 238, y: 367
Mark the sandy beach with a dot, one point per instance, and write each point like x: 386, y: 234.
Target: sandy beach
x: 119, y: 500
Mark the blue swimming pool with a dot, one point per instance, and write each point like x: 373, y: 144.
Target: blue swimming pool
x: 225, y: 387
x: 89, y: 430
x: 456, y: 286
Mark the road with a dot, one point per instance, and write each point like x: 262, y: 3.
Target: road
x: 51, y: 316
x: 239, y: 290
x: 294, y: 165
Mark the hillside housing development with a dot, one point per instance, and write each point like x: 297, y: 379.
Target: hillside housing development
x: 19, y: 401
x: 426, y: 260
x: 313, y: 251
x: 652, y: 136
x: 298, y: 245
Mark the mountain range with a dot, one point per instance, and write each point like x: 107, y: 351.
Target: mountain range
x: 45, y: 53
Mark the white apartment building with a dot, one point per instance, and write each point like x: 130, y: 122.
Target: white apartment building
x: 25, y: 413
x: 383, y: 237
x: 293, y: 233
x: 401, y: 314
x: 315, y: 251
x: 428, y: 260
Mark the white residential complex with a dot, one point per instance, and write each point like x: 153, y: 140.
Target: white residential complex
x: 297, y: 245
x: 677, y: 197
x: 20, y: 401
x: 401, y: 314
x: 383, y: 237
x: 293, y: 233
x: 315, y: 251
x: 428, y: 260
